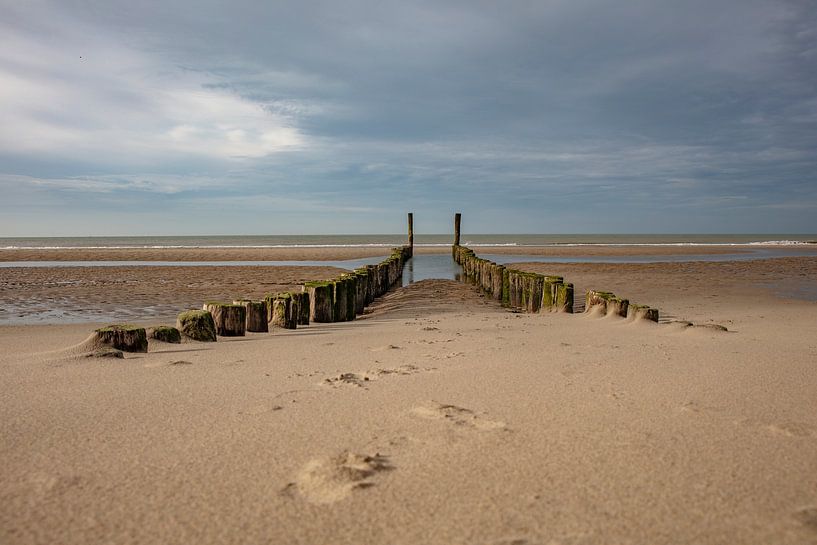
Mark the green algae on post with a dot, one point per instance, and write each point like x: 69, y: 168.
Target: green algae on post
x: 197, y: 325
x: 166, y: 334
x: 230, y: 319
x: 128, y: 338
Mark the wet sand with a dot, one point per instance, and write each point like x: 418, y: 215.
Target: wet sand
x: 121, y: 294
x: 341, y: 253
x: 438, y: 417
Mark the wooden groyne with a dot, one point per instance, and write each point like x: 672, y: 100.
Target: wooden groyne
x: 526, y: 291
x: 534, y: 292
x: 342, y: 299
x: 339, y: 299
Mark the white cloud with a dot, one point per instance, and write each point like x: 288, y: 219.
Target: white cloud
x: 92, y: 98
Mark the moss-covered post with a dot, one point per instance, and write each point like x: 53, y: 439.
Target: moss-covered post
x: 564, y: 297
x: 197, y: 325
x: 128, y: 338
x: 339, y: 299
x: 256, y: 312
x: 506, y: 287
x: 642, y: 312
x: 303, y: 307
x: 321, y: 304
x: 282, y: 315
x: 165, y: 333
x: 457, y: 221
x: 230, y: 319
x: 371, y: 284
x: 362, y: 277
x: 293, y: 309
x: 350, y: 282
x: 496, y: 282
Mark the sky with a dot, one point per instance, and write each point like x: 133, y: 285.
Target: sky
x: 311, y: 117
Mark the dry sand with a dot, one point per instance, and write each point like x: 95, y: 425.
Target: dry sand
x: 437, y: 418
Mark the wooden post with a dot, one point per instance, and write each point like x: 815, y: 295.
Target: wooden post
x: 230, y: 320
x: 123, y: 337
x: 411, y: 232
x: 457, y: 219
x: 256, y: 312
x: 320, y: 301
x: 166, y: 334
x: 197, y: 325
x: 303, y: 307
x: 282, y: 315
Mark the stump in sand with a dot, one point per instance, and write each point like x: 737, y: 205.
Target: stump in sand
x: 564, y: 297
x: 340, y: 299
x: 230, y: 320
x: 350, y: 281
x: 281, y: 315
x: 362, y: 276
x: 302, y: 300
x: 320, y: 301
x: 123, y: 337
x: 642, y: 312
x: 166, y: 334
x: 607, y: 301
x: 256, y: 312
x: 197, y: 325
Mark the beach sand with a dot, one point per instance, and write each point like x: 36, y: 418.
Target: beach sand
x: 439, y: 417
x: 343, y: 253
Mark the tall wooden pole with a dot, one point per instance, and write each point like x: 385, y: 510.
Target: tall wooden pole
x: 411, y: 231
x: 457, y: 218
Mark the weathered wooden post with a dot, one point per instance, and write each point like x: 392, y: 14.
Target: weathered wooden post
x: 123, y: 337
x: 320, y: 301
x: 197, y: 325
x: 457, y: 219
x: 303, y: 307
x: 642, y: 312
x: 165, y: 333
x: 256, y: 312
x: 362, y: 276
x: 411, y: 232
x: 282, y: 315
x: 230, y: 320
x: 564, y: 297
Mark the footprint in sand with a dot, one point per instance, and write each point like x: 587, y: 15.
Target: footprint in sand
x: 791, y: 429
x: 784, y: 429
x: 331, y: 479
x: 458, y: 416
x: 808, y: 517
x: 348, y: 379
x: 407, y: 369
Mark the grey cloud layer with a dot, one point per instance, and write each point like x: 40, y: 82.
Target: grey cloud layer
x: 539, y: 116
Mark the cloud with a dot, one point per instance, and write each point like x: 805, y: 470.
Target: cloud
x: 98, y: 100
x: 540, y: 115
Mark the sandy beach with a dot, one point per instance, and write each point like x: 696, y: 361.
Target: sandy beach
x: 437, y: 417
x: 343, y: 253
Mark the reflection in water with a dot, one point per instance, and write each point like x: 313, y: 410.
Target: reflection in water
x: 426, y: 266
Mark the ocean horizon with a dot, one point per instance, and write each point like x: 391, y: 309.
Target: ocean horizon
x: 388, y: 240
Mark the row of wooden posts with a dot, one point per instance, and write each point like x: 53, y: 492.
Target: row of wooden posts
x: 531, y: 292
x: 337, y: 300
